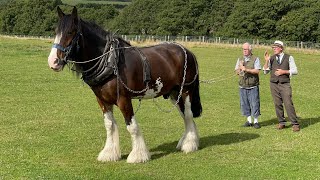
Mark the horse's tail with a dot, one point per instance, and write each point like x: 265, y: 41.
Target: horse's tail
x: 196, y: 106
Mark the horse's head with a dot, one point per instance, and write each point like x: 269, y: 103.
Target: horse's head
x: 66, y: 42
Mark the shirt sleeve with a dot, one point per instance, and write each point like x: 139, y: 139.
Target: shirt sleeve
x: 292, y: 67
x: 266, y: 71
x: 257, y: 64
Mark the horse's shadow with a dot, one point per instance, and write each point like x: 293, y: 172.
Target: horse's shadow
x: 225, y: 139
x: 205, y: 142
x: 304, y: 122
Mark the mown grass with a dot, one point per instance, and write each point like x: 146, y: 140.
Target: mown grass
x: 52, y: 128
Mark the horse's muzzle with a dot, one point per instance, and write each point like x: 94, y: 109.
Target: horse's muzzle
x: 57, y: 65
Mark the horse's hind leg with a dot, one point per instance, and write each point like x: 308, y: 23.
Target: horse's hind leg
x: 139, y: 151
x: 189, y: 142
x: 111, y: 150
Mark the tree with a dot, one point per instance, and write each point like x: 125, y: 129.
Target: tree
x: 138, y: 18
x: 29, y: 17
x: 257, y: 19
x: 301, y: 24
x: 101, y: 14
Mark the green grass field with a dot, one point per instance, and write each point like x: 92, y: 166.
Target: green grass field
x: 52, y: 128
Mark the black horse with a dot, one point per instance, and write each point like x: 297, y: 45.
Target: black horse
x: 118, y: 72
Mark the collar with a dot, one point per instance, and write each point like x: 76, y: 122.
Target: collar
x: 247, y: 58
x: 281, y: 55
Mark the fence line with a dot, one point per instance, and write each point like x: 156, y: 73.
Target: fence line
x: 199, y: 39
x: 219, y: 40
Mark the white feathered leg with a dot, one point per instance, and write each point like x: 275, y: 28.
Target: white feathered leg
x: 189, y: 142
x: 139, y: 151
x: 111, y: 150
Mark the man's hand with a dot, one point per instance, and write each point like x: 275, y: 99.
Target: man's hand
x: 241, y: 66
x: 266, y: 55
x: 280, y: 72
x: 237, y: 71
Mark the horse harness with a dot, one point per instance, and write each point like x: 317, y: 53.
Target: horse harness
x: 107, y: 63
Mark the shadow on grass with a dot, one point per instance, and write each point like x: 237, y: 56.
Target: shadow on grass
x: 304, y: 122
x: 205, y: 142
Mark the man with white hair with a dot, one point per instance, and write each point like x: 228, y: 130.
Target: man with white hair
x: 282, y: 67
x: 248, y: 67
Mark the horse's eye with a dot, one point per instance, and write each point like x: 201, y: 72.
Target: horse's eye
x: 70, y: 33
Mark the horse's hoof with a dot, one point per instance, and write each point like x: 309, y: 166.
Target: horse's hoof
x: 138, y: 157
x: 188, y: 148
x: 104, y: 156
x: 188, y: 143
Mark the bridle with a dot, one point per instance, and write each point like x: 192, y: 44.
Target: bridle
x: 68, y: 50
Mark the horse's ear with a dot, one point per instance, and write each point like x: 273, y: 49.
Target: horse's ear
x: 60, y: 13
x: 74, y: 14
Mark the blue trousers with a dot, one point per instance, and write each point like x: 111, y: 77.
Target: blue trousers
x: 250, y: 101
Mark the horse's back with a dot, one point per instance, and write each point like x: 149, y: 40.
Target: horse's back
x: 167, y: 64
x: 167, y: 59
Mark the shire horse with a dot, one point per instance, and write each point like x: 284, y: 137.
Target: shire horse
x: 118, y: 72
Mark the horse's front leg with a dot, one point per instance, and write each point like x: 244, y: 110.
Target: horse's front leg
x: 189, y: 142
x: 111, y: 150
x: 139, y: 151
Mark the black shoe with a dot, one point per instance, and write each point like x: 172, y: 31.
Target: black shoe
x: 256, y: 125
x: 247, y: 124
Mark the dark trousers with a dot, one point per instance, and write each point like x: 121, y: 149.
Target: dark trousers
x: 282, y: 95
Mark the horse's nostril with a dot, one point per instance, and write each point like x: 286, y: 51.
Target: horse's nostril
x: 56, y: 61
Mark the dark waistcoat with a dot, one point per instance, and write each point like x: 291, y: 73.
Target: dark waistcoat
x: 284, y: 66
x: 249, y: 80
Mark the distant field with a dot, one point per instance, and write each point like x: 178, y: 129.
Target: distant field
x: 52, y: 127
x: 75, y: 2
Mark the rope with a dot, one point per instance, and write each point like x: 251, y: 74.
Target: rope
x: 213, y: 80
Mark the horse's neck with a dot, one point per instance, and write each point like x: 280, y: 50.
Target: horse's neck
x: 93, y: 46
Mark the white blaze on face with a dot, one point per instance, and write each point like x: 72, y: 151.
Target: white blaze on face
x: 154, y: 92
x: 52, y: 59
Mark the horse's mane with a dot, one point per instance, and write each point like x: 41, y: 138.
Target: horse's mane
x: 93, y: 27
x: 64, y: 25
x: 88, y: 27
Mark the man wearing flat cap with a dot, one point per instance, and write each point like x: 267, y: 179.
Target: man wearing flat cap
x: 282, y: 67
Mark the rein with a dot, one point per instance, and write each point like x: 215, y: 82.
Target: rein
x: 99, y: 57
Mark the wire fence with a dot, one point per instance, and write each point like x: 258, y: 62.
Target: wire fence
x: 219, y: 40
x: 200, y: 39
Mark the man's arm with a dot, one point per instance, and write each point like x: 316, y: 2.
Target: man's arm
x: 256, y: 67
x: 252, y: 71
x: 266, y: 67
x: 292, y: 69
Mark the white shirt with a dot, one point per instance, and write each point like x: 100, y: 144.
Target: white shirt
x: 292, y: 65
